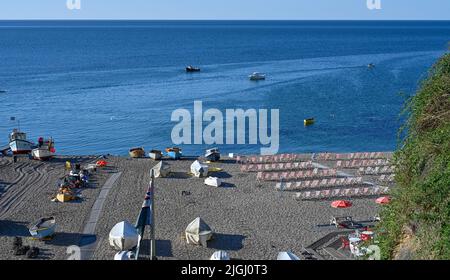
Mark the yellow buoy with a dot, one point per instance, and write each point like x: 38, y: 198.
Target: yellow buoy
x: 308, y: 122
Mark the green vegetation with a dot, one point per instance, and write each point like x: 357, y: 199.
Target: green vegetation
x: 416, y: 225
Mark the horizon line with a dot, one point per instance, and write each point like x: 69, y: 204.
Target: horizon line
x: 107, y: 19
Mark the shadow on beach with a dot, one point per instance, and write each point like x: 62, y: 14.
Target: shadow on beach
x: 13, y: 228
x: 227, y: 242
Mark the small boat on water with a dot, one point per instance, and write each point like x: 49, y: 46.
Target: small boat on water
x: 191, y: 69
x: 43, y: 228
x: 19, y: 144
x: 45, y: 149
x: 309, y: 121
x: 137, y: 152
x: 370, y: 65
x: 256, y: 76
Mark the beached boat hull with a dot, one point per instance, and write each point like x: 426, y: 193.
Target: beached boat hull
x: 20, y: 147
x: 42, y: 154
x: 42, y: 229
x: 137, y: 153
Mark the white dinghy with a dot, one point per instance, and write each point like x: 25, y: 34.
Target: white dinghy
x: 213, y: 182
x: 198, y: 232
x: 199, y: 170
x: 123, y: 236
x: 287, y: 256
x: 220, y: 256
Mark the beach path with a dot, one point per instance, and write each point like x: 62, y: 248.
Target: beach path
x: 88, y: 240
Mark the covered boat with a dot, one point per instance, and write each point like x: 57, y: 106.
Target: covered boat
x: 256, y: 76
x: 287, y: 256
x: 45, y: 149
x: 198, y: 232
x: 161, y: 170
x: 18, y: 143
x: 191, y: 68
x: 124, y: 256
x: 137, y: 152
x: 199, y: 170
x: 43, y: 228
x: 213, y: 182
x: 123, y: 236
x: 212, y: 154
x: 220, y: 256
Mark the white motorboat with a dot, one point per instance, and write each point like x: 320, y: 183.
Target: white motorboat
x: 18, y: 143
x: 45, y: 149
x: 256, y: 76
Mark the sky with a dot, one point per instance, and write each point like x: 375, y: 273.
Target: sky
x: 227, y: 9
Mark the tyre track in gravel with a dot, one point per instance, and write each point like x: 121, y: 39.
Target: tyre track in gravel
x: 28, y: 181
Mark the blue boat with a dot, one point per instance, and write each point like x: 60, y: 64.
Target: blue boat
x: 174, y: 153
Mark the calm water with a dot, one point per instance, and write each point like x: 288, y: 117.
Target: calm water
x: 102, y: 87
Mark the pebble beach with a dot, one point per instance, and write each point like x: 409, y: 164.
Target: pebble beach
x: 251, y: 219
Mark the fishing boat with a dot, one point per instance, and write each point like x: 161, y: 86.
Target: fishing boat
x: 191, y: 69
x: 45, y: 149
x: 174, y: 152
x: 137, y: 152
x: 309, y: 121
x: 212, y: 154
x: 18, y: 143
x: 256, y: 76
x: 43, y: 228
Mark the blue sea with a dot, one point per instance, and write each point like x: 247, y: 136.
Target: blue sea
x: 101, y: 87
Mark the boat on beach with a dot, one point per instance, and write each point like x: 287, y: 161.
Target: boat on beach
x: 137, y: 152
x: 43, y: 228
x: 45, y: 149
x: 256, y: 76
x: 19, y: 144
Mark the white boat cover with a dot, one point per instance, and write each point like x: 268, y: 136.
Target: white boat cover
x: 213, y: 181
x: 124, y: 256
x: 199, y: 170
x: 198, y: 232
x: 162, y: 169
x: 123, y: 236
x: 220, y: 256
x: 287, y: 256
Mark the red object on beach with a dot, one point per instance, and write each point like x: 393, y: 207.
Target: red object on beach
x: 383, y: 200
x: 341, y: 204
x: 101, y: 163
